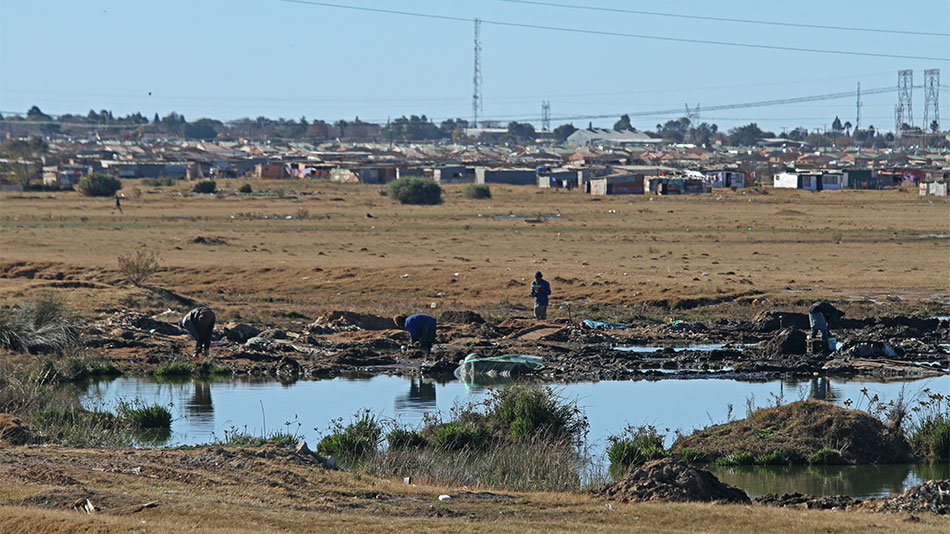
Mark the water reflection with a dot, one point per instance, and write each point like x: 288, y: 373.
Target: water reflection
x: 421, y: 397
x: 200, y: 403
x: 861, y: 481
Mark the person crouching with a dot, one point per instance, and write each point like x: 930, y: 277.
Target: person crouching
x: 199, y: 322
x: 421, y: 328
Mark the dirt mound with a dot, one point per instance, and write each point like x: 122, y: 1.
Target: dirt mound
x: 932, y: 496
x: 140, y: 321
x: 461, y: 317
x: 797, y: 431
x: 807, y: 501
x: 202, y: 240
x: 12, y: 430
x: 361, y: 320
x: 240, y: 332
x: 360, y: 358
x: 670, y: 480
x: 772, y: 320
x: 789, y: 212
x: 75, y: 499
x: 790, y: 341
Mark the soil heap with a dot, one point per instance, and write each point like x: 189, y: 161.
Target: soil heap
x: 670, y: 480
x: 797, y: 431
x: 809, y: 502
x: 12, y: 430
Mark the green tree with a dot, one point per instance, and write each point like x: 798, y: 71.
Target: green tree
x: 562, y: 132
x: 35, y: 114
x: 519, y: 132
x: 836, y: 125
x: 623, y: 123
x: 22, y: 168
x: 747, y: 135
x: 98, y: 185
x: 413, y: 128
x: 201, y: 129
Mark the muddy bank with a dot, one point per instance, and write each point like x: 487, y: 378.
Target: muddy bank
x: 770, y: 345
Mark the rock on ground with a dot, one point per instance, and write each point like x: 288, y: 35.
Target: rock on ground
x: 670, y: 480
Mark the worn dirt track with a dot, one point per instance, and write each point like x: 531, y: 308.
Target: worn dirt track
x: 266, y: 489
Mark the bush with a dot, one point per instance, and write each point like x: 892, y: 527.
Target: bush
x: 142, y: 417
x: 174, y: 369
x: 98, y: 185
x: 826, y: 457
x: 477, y: 191
x: 459, y: 436
x: 534, y: 410
x: 42, y: 325
x: 241, y: 438
x: 400, y: 438
x: 353, y: 442
x: 246, y: 189
x: 415, y: 190
x: 139, y: 266
x: 772, y: 458
x: 210, y: 369
x: 931, y: 438
x: 205, y: 186
x: 634, y: 447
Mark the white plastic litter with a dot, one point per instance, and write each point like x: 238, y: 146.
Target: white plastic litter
x: 445, y: 497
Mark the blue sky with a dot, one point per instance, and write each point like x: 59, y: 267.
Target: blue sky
x: 245, y: 58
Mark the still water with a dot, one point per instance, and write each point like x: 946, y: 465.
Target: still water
x: 203, y: 411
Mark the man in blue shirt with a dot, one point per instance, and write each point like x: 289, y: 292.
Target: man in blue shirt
x: 540, y: 289
x: 421, y: 328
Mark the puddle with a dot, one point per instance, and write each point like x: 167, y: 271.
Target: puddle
x: 700, y: 347
x: 523, y: 216
x: 202, y: 411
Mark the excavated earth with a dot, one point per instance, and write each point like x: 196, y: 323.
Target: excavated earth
x: 770, y: 345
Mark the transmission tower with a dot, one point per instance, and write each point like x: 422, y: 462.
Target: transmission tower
x: 931, y: 99
x: 546, y: 115
x: 477, y: 76
x: 692, y: 114
x: 857, y: 118
x: 905, y: 101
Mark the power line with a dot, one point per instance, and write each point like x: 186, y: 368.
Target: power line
x: 611, y: 34
x: 724, y: 19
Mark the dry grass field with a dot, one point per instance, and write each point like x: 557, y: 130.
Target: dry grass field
x: 310, y: 247
x: 235, y: 491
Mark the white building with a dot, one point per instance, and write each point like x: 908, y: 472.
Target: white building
x: 812, y: 180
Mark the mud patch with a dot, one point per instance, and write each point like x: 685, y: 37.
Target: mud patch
x: 461, y: 317
x: 670, y: 480
x: 800, y: 500
x: 71, y: 498
x: 790, y: 341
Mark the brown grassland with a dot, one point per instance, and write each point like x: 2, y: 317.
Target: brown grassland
x: 314, y: 247
x: 347, y: 246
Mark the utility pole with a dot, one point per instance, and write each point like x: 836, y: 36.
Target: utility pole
x: 477, y: 76
x: 905, y: 101
x: 857, y: 118
x: 931, y: 99
x: 546, y: 115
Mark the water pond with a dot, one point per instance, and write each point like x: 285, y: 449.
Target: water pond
x: 203, y: 411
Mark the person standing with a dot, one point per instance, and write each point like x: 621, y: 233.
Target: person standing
x: 540, y: 289
x: 421, y: 328
x: 199, y: 322
x: 819, y: 315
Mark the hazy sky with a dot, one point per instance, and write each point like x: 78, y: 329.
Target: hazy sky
x: 245, y: 58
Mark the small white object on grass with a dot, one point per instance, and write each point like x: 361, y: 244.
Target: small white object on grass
x: 445, y: 497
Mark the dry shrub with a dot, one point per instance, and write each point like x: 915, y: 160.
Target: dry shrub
x: 139, y: 266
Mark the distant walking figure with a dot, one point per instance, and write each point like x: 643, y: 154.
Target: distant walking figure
x: 540, y: 289
x: 199, y: 322
x: 118, y: 205
x: 421, y: 328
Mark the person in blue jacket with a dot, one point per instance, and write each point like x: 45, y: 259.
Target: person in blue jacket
x: 421, y: 328
x: 540, y: 289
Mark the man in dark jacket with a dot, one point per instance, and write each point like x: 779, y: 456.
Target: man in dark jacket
x: 819, y: 315
x: 199, y: 322
x: 540, y: 289
x: 421, y: 328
